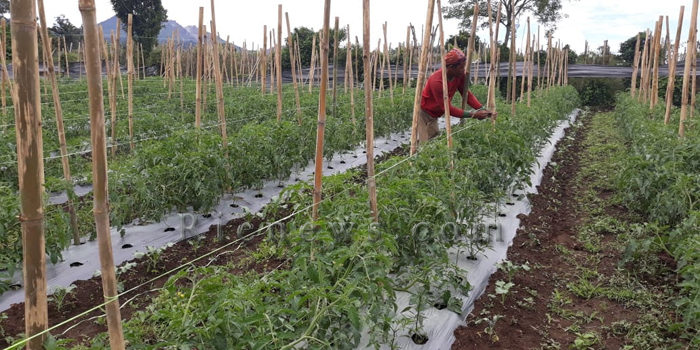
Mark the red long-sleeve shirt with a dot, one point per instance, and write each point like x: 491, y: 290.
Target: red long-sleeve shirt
x: 431, y: 98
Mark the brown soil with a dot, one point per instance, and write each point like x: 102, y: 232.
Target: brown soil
x: 552, y: 224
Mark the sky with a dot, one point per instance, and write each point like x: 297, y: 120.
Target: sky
x: 592, y: 20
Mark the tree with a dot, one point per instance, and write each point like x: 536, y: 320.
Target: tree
x: 64, y: 28
x: 547, y: 12
x: 148, y: 18
x: 463, y: 40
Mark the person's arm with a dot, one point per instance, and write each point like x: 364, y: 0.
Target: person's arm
x: 436, y: 89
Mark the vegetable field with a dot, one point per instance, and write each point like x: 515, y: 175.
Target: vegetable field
x: 552, y: 217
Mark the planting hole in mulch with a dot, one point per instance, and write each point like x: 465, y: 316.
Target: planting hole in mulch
x: 280, y: 186
x: 472, y: 257
x: 127, y: 246
x: 510, y: 203
x: 342, y: 162
x: 206, y: 216
x: 493, y: 226
x: 259, y: 195
x: 355, y: 156
x: 364, y: 152
x: 419, y: 339
x: 440, y: 305
x: 169, y: 229
x: 330, y: 167
x: 16, y: 286
x: 502, y: 215
x: 76, y: 264
x: 233, y: 205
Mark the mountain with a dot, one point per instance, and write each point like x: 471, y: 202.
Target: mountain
x: 188, y: 34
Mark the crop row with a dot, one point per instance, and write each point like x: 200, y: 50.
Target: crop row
x: 660, y: 180
x: 190, y: 168
x: 344, y: 271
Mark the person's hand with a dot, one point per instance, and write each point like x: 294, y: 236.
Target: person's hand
x: 481, y: 114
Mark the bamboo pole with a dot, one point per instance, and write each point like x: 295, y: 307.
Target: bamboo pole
x: 335, y: 65
x: 99, y: 174
x: 143, y: 60
x: 351, y: 81
x: 220, y: 107
x: 115, y: 60
x: 263, y: 67
x: 130, y: 78
x: 635, y: 64
x: 530, y: 68
x: 491, y: 99
x: 320, y: 130
x: 290, y: 44
x: 110, y: 91
x: 512, y: 68
x: 65, y: 51
x: 445, y: 91
x: 5, y: 76
x: 58, y: 109
x: 375, y: 59
x: 421, y: 75
x: 657, y: 51
x: 200, y: 62
x: 30, y: 168
x: 673, y: 62
x: 688, y: 65
x: 693, y: 74
x: 644, y: 73
x: 524, y: 70
x: 278, y: 54
x: 470, y: 49
x: 369, y: 113
x: 300, y: 71
x: 387, y: 59
x: 312, y: 69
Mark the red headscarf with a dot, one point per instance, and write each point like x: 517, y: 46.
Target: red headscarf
x: 454, y: 57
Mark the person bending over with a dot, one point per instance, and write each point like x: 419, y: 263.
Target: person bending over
x: 431, y: 104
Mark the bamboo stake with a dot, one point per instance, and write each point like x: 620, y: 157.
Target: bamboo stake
x: 421, y: 74
x: 143, y: 60
x: 335, y: 65
x: 110, y: 90
x: 470, y: 49
x: 688, y: 65
x: 290, y: 44
x: 198, y: 88
x: 263, y: 67
x: 524, y: 69
x: 80, y: 60
x: 220, y: 108
x: 320, y: 130
x: 445, y: 91
x: 673, y: 62
x: 278, y: 53
x: 5, y: 76
x: 369, y: 113
x: 657, y: 51
x: 99, y: 174
x: 113, y: 96
x: 58, y: 109
x: 300, y: 72
x: 179, y: 67
x: 30, y: 168
x: 65, y: 50
x: 490, y: 101
x: 312, y: 69
x: 512, y: 68
x: 115, y: 60
x: 388, y: 64
x: 643, y: 74
x: 351, y: 81
x: 396, y: 66
x: 530, y: 68
x: 635, y: 64
x: 375, y: 58
x: 130, y: 78
x: 693, y: 74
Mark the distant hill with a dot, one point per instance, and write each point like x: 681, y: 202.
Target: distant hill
x: 188, y: 34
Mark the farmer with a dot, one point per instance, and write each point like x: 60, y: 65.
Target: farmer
x: 431, y: 104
